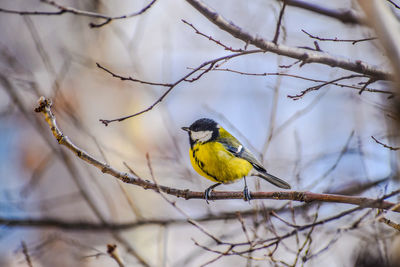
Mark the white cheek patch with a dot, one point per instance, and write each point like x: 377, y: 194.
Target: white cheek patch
x: 202, y: 136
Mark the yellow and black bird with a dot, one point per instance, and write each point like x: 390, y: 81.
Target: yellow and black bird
x: 221, y: 158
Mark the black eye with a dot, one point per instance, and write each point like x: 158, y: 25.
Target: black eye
x: 196, y: 128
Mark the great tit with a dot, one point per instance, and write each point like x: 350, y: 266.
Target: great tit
x: 221, y: 158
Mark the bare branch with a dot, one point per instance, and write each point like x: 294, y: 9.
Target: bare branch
x: 68, y: 163
x: 172, y: 86
x: 81, y: 225
x: 394, y: 4
x: 358, y: 188
x: 275, y: 240
x: 278, y: 24
x: 173, y: 204
x: 362, y: 202
x: 359, y: 88
x: 317, y: 87
x: 32, y: 13
x: 209, y: 37
x: 345, y: 16
x: 305, y: 55
x: 390, y: 223
x: 112, y: 250
x: 370, y: 80
x: 384, y: 145
x: 26, y: 254
x: 47, y: 222
x: 64, y: 9
x: 386, y: 25
x: 122, y: 78
x: 352, y: 41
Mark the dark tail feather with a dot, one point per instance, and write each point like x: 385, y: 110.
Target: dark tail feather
x: 274, y: 180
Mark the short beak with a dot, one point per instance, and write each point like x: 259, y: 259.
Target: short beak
x: 185, y: 129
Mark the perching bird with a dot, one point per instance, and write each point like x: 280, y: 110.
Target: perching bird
x: 221, y: 158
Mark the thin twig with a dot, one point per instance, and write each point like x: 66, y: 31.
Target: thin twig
x: 324, y: 249
x: 317, y: 87
x: 390, y: 223
x: 172, y: 86
x: 278, y: 24
x: 342, y: 153
x: 64, y: 9
x: 274, y: 241
x: 209, y: 37
x: 273, y: 213
x: 394, y: 4
x: 290, y: 65
x: 306, y: 79
x: 26, y: 254
x: 217, y: 258
x: 67, y: 161
x: 384, y: 145
x: 173, y: 204
x: 305, y: 55
x: 122, y: 78
x: 113, y: 252
x: 370, y: 80
x: 244, y: 229
x: 345, y: 16
x: 352, y: 41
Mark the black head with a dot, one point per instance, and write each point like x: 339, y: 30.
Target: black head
x: 204, y: 124
x: 202, y: 130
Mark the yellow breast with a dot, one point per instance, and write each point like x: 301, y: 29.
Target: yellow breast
x: 214, y: 162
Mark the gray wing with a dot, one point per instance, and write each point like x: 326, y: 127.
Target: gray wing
x: 238, y: 150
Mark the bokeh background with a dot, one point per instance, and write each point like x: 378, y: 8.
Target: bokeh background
x: 320, y: 143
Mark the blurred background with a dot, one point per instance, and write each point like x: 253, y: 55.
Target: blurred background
x: 320, y: 142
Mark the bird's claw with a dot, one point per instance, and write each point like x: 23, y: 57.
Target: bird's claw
x: 246, y: 194
x: 207, y: 194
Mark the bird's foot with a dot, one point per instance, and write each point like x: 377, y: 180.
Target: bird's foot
x: 246, y: 194
x: 207, y: 194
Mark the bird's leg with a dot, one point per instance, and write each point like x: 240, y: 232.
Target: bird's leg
x: 246, y: 192
x: 207, y: 193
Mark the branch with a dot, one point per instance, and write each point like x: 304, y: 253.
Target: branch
x: 64, y: 9
x: 364, y: 87
x: 305, y: 55
x: 122, y: 78
x: 278, y: 24
x: 26, y: 253
x: 384, y: 145
x: 45, y: 108
x: 344, y: 16
x: 390, y: 223
x: 394, y: 4
x: 66, y: 160
x: 80, y: 225
x: 209, y: 37
x: 171, y: 86
x: 112, y: 251
x: 386, y: 26
x: 352, y: 41
x: 49, y: 222
x: 274, y: 241
x: 317, y: 87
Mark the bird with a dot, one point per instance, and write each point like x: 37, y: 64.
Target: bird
x: 218, y: 156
